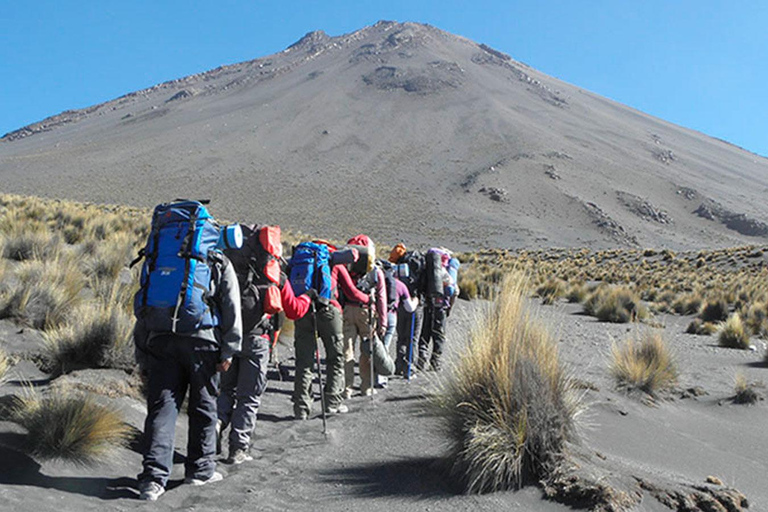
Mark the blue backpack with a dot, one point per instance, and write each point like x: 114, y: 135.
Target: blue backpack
x: 176, y: 275
x: 310, y: 267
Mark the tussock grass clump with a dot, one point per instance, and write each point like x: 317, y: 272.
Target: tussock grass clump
x: 645, y: 363
x: 701, y: 328
x: 714, y: 310
x: 71, y: 427
x: 620, y: 305
x: 551, y: 290
x: 508, y: 405
x: 43, y: 295
x: 577, y: 293
x: 733, y: 333
x: 745, y: 392
x: 110, y: 257
x: 5, y: 366
x: 98, y: 337
x: 24, y: 244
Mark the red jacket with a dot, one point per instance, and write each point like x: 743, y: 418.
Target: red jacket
x: 297, y: 307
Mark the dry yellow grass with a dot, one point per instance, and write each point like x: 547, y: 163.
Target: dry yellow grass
x: 508, y: 406
x: 99, y: 336
x: 5, y: 366
x: 745, y: 392
x: 644, y: 362
x: 733, y: 333
x: 43, y: 293
x: 71, y: 427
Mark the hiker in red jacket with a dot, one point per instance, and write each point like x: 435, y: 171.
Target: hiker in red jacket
x: 356, y: 316
x: 329, y: 327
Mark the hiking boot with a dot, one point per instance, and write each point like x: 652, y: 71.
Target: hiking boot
x: 300, y: 415
x: 347, y: 394
x: 368, y: 392
x: 337, y: 409
x: 215, y: 477
x: 239, y: 456
x: 150, y: 491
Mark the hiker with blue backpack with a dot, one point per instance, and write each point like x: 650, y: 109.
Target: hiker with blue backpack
x: 188, y: 328
x: 311, y: 299
x: 259, y: 275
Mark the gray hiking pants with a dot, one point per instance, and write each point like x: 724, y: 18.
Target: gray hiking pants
x: 241, y: 390
x: 177, y: 364
x: 329, y: 328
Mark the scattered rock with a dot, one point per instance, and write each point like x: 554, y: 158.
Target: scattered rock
x: 182, y: 94
x: 714, y: 480
x: 694, y: 498
x: 558, y: 155
x: 688, y: 193
x: 693, y: 392
x: 643, y: 208
x: 494, y: 193
x: 739, y: 222
x: 550, y: 171
x: 665, y: 156
x: 609, y: 226
x: 436, y: 76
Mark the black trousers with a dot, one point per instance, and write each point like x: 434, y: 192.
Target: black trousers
x: 432, y: 330
x: 178, y: 364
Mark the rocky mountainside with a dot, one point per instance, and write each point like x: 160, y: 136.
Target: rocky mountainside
x: 405, y: 132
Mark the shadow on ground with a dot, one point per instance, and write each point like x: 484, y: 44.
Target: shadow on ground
x: 422, y: 477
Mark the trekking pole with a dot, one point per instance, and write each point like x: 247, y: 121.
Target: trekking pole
x: 371, y: 331
x: 410, y: 346
x: 319, y: 371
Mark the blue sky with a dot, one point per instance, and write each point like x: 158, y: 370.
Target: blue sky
x: 701, y: 64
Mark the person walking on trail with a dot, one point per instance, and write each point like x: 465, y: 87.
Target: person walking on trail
x: 410, y: 315
x: 405, y: 308
x: 328, y: 325
x: 183, y: 348
x: 259, y: 275
x: 368, y: 278
x: 437, y: 307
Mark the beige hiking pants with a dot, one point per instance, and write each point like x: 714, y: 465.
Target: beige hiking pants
x: 356, y: 326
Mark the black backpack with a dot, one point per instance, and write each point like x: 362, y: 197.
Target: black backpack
x: 259, y: 274
x: 416, y: 272
x: 391, y: 283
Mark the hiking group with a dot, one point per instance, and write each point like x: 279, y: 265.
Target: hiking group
x: 208, y: 315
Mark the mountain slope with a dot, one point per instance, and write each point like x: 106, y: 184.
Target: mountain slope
x: 407, y: 133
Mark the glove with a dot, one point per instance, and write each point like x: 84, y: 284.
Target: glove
x: 312, y: 294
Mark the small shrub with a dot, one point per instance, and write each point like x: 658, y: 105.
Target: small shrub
x: 714, y: 310
x: 621, y: 305
x: 26, y: 245
x: 69, y: 427
x: 551, y: 290
x: 577, y: 293
x: 645, y: 364
x: 98, y: 337
x: 733, y: 333
x: 745, y: 392
x: 701, y: 328
x: 44, y: 294
x: 508, y: 406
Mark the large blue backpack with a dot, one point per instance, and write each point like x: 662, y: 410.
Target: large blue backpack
x: 310, y: 267
x: 175, y: 294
